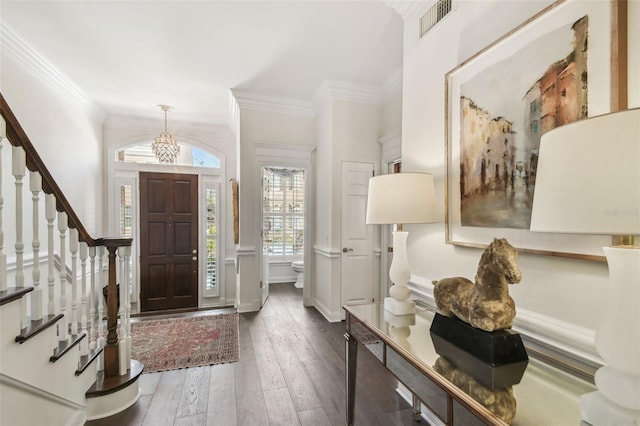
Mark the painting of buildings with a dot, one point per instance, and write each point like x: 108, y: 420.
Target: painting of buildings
x: 505, y: 109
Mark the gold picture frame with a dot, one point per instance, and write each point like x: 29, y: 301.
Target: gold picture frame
x: 486, y: 84
x: 236, y: 211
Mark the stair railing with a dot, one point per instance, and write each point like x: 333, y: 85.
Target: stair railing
x: 66, y: 298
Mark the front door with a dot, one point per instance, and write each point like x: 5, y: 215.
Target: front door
x: 168, y: 241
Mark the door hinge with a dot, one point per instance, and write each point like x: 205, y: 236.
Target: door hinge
x: 261, y: 285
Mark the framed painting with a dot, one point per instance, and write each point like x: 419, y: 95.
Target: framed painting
x: 553, y: 69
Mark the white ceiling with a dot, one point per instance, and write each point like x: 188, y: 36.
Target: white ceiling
x: 129, y: 56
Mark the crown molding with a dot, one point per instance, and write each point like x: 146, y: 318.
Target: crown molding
x: 403, y: 8
x: 391, y: 145
x: 338, y: 90
x: 394, y: 136
x: 234, y: 115
x: 13, y: 44
x: 258, y: 102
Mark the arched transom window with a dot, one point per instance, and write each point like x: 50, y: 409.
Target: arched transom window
x: 189, y: 155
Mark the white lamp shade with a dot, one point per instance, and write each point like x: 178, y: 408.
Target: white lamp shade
x: 588, y: 177
x: 401, y: 198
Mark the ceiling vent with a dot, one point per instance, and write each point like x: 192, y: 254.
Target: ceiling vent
x: 434, y: 15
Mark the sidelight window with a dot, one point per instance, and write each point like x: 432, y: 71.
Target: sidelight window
x: 211, y: 278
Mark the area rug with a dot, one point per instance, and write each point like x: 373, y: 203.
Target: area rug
x: 172, y: 343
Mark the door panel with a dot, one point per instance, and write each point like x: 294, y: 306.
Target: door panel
x: 168, y: 241
x: 357, y: 236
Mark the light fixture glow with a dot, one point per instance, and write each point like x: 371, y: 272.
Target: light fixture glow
x: 165, y: 147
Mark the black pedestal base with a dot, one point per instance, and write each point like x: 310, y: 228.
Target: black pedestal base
x: 495, y: 359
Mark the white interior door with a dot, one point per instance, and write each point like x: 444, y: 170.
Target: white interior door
x: 357, y: 236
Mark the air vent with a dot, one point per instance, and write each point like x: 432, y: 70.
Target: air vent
x: 434, y: 15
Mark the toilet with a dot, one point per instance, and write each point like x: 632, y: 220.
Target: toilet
x: 298, y: 268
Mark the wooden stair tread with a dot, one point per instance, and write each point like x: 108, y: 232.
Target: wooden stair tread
x: 86, y: 360
x: 37, y: 326
x: 107, y: 385
x: 66, y: 345
x: 13, y: 293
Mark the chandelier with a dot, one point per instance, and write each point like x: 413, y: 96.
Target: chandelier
x: 165, y: 148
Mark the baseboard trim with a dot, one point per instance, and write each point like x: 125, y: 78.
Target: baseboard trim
x: 327, y: 313
x: 249, y: 307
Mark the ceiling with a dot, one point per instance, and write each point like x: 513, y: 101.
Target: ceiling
x: 129, y: 56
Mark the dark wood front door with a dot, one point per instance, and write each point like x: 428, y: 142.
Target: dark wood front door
x: 168, y: 241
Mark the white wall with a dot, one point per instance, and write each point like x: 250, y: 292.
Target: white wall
x: 348, y: 131
x: 566, y: 290
x: 65, y: 131
x: 220, y: 139
x: 392, y: 107
x: 260, y: 127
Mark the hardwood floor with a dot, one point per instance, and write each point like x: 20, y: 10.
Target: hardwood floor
x: 291, y: 372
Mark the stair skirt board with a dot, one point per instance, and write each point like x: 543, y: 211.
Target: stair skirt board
x: 18, y: 399
x: 107, y: 405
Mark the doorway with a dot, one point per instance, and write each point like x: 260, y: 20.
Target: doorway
x: 357, y: 237
x: 283, y: 224
x: 168, y: 241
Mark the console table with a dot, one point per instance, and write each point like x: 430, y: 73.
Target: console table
x: 544, y: 395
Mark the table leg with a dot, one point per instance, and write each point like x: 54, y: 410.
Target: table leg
x: 417, y: 412
x: 351, y: 354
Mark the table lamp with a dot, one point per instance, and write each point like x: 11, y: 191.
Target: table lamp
x: 400, y: 198
x: 588, y: 182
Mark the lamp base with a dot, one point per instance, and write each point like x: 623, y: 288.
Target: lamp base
x: 399, y: 307
x: 597, y: 410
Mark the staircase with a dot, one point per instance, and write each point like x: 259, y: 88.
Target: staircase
x: 65, y: 353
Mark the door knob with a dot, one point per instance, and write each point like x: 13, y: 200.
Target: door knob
x: 345, y: 250
x: 194, y: 258
x: 195, y: 251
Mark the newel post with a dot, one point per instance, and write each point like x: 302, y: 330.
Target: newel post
x: 111, y: 355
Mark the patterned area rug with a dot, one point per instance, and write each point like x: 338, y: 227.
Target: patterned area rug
x: 172, y: 343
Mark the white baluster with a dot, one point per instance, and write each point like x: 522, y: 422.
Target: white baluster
x: 100, y: 323
x: 18, y: 170
x: 63, y: 324
x: 73, y: 248
x: 50, y: 215
x: 122, y: 333
x: 127, y: 295
x: 84, y: 344
x: 3, y: 257
x: 92, y: 300
x: 35, y: 185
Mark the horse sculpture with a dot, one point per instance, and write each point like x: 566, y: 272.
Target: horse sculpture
x: 486, y: 304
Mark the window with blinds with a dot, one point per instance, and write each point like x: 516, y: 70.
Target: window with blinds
x: 126, y: 212
x: 211, y: 238
x: 283, y: 211
x: 126, y: 219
